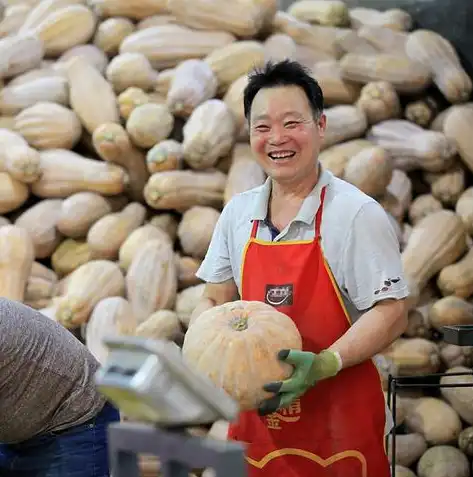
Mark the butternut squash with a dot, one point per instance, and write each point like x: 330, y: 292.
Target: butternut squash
x: 48, y: 125
x: 18, y: 159
x: 464, y: 208
x: 231, y: 61
x: 40, y: 222
x: 278, y: 47
x: 64, y: 28
x: 394, y: 18
x: 15, y: 98
x: 455, y: 128
x: 19, y: 54
x: 112, y: 316
x: 379, y: 101
x: 106, y: 236
x: 131, y: 70
x: 180, y: 190
x: 451, y: 310
x: 413, y: 147
x: 112, y: 143
x: 447, y: 186
x: 435, y: 420
x: 166, y: 45
x: 166, y: 222
x: 149, y: 124
x: 459, y: 398
x: 132, y: 9
x: 151, y: 279
x: 436, y: 241
x: 422, y: 206
x: 384, y: 39
x: 414, y: 356
x: 193, y: 82
x: 195, y: 230
x: 97, y: 58
x: 404, y: 74
x: 87, y: 285
x: 370, y: 171
x: 186, y: 270
x: 336, y: 157
x: 16, y: 261
x: 336, y: 89
x: 111, y: 32
x: 233, y: 98
x: 65, y: 172
x: 244, y: 19
x: 330, y: 13
x: 135, y: 241
x: 13, y: 193
x: 130, y: 99
x: 434, y: 52
x: 209, y: 134
x: 69, y: 256
x: 79, y: 212
x: 344, y: 122
x: 92, y: 98
x: 244, y: 173
x: 41, y: 286
x: 167, y: 155
x: 161, y: 325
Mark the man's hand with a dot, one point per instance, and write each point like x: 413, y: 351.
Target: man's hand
x: 309, y: 368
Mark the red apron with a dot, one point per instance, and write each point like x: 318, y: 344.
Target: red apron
x: 337, y: 428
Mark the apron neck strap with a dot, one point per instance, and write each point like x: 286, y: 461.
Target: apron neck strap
x: 254, y: 229
x: 318, y: 216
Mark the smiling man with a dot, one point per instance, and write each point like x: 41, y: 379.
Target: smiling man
x: 321, y: 251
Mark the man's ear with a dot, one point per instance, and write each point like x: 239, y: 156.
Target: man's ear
x: 322, y: 123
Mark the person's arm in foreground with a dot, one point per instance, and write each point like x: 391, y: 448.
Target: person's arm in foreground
x: 372, y: 271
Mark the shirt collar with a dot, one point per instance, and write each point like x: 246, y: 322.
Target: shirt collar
x: 309, y: 207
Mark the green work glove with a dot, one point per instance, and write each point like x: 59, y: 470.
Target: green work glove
x: 309, y: 368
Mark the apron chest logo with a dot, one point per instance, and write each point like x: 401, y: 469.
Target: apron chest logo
x: 279, y: 295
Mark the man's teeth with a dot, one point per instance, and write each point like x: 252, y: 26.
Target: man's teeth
x: 281, y: 155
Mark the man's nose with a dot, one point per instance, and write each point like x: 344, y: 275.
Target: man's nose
x: 278, y: 135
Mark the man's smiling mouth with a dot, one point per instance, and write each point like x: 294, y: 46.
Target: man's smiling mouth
x: 280, y: 155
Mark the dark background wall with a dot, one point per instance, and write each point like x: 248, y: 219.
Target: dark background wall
x: 453, y: 19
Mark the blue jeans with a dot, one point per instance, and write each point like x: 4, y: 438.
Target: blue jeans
x: 80, y: 451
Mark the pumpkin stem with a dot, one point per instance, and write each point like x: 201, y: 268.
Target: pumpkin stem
x: 239, y: 323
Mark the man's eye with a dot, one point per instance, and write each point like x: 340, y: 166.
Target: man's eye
x: 262, y: 128
x: 291, y: 124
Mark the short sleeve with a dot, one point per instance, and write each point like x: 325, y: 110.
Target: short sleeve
x: 371, y: 260
x: 216, y: 266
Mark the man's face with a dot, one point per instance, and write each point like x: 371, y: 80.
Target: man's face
x: 284, y: 135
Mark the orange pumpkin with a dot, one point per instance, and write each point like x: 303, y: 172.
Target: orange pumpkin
x: 236, y: 344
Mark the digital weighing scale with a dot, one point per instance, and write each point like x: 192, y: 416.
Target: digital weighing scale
x: 149, y: 382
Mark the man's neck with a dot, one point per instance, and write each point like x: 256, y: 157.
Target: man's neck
x: 299, y: 189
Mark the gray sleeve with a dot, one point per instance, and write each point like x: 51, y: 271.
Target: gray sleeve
x: 216, y: 266
x: 371, y: 264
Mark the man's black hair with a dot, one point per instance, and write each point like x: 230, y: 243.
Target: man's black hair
x: 283, y: 73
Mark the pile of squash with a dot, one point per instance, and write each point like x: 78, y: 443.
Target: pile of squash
x: 122, y: 136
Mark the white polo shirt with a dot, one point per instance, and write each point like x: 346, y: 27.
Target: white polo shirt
x: 358, y: 242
